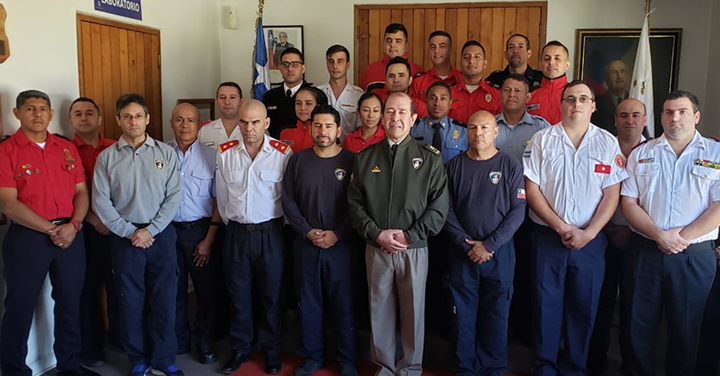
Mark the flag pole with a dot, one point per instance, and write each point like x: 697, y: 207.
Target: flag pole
x: 261, y: 5
x: 647, y: 11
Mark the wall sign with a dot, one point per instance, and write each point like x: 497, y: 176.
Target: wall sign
x: 125, y: 8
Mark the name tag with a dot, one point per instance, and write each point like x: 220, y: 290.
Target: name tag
x: 272, y: 107
x: 532, y: 107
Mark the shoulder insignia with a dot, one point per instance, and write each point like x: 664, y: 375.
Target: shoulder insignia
x: 61, y: 136
x: 432, y: 149
x: 418, y: 75
x: 531, y: 107
x: 716, y: 139
x: 642, y: 143
x: 206, y: 122
x: 228, y: 145
x: 459, y: 123
x: 280, y: 146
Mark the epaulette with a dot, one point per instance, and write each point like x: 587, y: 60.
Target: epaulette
x: 458, y: 123
x: 641, y: 143
x: 716, y: 139
x: 61, y: 136
x: 3, y: 138
x: 280, y: 146
x: 432, y: 149
x: 228, y: 145
x: 206, y: 122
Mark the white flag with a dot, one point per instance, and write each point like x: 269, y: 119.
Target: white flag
x: 642, y: 84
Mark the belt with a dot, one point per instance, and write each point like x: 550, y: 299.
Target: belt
x: 141, y: 225
x: 56, y: 221
x: 191, y: 224
x: 702, y: 246
x: 254, y: 226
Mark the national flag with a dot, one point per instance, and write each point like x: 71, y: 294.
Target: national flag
x: 602, y: 168
x: 261, y: 73
x: 270, y: 49
x: 521, y: 194
x: 642, y: 82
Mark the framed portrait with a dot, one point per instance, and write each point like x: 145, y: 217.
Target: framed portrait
x: 277, y: 39
x: 605, y: 59
x: 205, y: 106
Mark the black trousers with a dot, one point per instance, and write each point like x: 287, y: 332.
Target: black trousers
x: 709, y: 344
x: 29, y: 256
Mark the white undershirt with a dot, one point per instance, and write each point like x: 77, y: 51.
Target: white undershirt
x: 471, y: 88
x: 41, y: 144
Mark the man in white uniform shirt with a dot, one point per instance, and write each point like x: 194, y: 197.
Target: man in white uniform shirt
x: 228, y: 98
x: 341, y: 94
x: 671, y: 201
x: 572, y: 176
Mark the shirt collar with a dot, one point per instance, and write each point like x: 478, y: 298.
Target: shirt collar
x: 21, y: 138
x: 443, y: 122
x: 525, y: 119
x: 697, y: 141
x: 79, y: 141
x: 386, y: 58
x: 149, y: 141
x: 294, y: 89
x: 390, y: 143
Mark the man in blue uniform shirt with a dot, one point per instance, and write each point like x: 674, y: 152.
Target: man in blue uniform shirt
x: 487, y: 206
x: 437, y: 129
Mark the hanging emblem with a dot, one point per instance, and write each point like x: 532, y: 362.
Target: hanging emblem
x: 495, y: 177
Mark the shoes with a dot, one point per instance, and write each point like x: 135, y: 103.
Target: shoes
x: 308, y: 368
x: 138, y: 370
x: 92, y: 363
x: 347, y: 369
x: 272, y: 363
x: 171, y: 370
x: 235, y: 361
x: 206, y: 354
x: 79, y: 371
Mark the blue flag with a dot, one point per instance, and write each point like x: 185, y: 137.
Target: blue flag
x: 261, y: 73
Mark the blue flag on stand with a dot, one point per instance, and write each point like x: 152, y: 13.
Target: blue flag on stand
x: 261, y: 73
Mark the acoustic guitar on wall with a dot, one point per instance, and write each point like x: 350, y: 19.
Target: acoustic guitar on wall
x: 4, y: 43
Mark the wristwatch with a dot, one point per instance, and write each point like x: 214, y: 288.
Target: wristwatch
x: 78, y: 224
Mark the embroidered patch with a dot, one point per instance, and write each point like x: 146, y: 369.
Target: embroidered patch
x: 488, y: 98
x: 159, y: 164
x: 602, y: 168
x: 340, y: 174
x: 495, y: 177
x: 647, y: 160
x: 620, y: 161
x: 417, y: 162
x: 375, y: 169
x: 521, y: 194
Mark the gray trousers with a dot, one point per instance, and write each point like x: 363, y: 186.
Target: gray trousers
x: 397, y: 282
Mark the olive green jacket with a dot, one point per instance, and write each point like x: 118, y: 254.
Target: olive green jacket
x: 411, y: 196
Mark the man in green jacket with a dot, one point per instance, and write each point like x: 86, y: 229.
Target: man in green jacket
x: 398, y: 197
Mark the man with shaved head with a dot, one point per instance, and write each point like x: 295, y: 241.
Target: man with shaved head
x: 249, y: 186
x: 487, y: 206
x: 197, y: 223
x: 397, y: 199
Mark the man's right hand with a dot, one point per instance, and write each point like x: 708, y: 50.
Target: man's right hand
x: 670, y: 241
x: 387, y: 241
x: 101, y: 228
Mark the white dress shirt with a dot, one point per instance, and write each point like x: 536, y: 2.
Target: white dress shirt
x: 213, y: 134
x: 346, y: 105
x: 675, y: 190
x: 572, y: 179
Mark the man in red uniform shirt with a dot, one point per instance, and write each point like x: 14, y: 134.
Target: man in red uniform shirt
x: 43, y: 192
x: 395, y: 44
x: 545, y: 100
x: 85, y: 120
x: 440, y: 43
x: 473, y: 94
x: 398, y: 80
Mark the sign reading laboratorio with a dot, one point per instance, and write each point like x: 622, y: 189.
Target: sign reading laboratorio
x: 125, y: 8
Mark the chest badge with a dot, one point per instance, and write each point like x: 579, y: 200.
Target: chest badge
x: 456, y: 135
x: 417, y: 162
x: 340, y: 174
x: 68, y: 156
x: 159, y: 164
x: 376, y: 169
x: 495, y: 177
x: 488, y: 98
x: 620, y: 161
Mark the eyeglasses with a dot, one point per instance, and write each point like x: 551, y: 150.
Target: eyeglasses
x: 128, y: 117
x: 583, y: 99
x: 294, y: 64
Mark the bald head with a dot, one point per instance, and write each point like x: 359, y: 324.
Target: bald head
x: 186, y: 108
x: 482, y: 130
x: 482, y: 117
x: 253, y: 122
x: 630, y: 119
x: 253, y: 105
x: 185, y: 123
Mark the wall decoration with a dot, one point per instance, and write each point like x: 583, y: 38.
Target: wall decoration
x: 278, y: 38
x: 4, y: 42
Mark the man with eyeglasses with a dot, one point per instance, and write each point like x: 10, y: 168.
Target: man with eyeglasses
x: 279, y: 101
x: 572, y: 176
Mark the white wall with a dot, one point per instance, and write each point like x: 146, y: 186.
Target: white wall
x: 327, y: 22
x: 43, y: 44
x: 710, y: 119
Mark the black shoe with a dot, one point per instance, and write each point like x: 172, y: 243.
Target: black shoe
x: 79, y: 371
x: 308, y: 368
x: 235, y: 361
x: 348, y: 369
x: 206, y: 356
x: 272, y: 364
x: 92, y: 363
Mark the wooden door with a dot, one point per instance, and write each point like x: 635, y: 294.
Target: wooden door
x: 489, y: 23
x: 116, y: 58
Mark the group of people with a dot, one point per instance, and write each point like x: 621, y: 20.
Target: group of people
x: 506, y: 179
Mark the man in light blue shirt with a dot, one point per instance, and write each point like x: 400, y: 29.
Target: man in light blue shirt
x: 437, y: 129
x: 197, y: 222
x: 515, y: 125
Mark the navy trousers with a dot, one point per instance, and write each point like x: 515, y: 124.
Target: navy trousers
x: 151, y: 271
x: 254, y: 254
x: 481, y: 296
x: 29, y: 256
x: 98, y: 277
x: 324, y: 278
x: 678, y: 284
x: 565, y: 300
x: 206, y: 282
x: 709, y: 343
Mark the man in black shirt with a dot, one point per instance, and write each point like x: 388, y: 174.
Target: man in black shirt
x: 517, y: 53
x: 315, y: 205
x: 279, y: 101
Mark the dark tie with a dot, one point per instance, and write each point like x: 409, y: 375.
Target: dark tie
x: 288, y: 93
x: 437, y: 139
x: 393, y: 152
x: 619, y: 100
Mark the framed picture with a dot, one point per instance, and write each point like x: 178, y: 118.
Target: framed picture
x: 605, y: 59
x: 277, y: 39
x: 205, y: 106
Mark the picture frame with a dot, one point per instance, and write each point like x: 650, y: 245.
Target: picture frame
x: 595, y: 49
x: 277, y: 39
x: 205, y: 106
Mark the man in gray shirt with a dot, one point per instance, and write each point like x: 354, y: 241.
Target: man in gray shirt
x: 136, y: 193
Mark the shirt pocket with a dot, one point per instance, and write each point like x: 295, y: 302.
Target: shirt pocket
x: 202, y: 182
x: 453, y: 147
x: 600, y: 167
x: 647, y: 176
x: 270, y: 183
x: 702, y: 179
x: 552, y: 165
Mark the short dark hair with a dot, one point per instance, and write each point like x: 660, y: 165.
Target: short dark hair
x: 84, y: 99
x: 472, y: 42
x: 335, y: 48
x: 398, y: 60
x: 678, y: 94
x: 230, y: 84
x: 527, y: 41
x: 320, y: 97
x: 326, y: 109
x: 574, y: 83
x: 369, y: 95
x: 127, y: 99
x: 440, y: 33
x: 517, y: 77
x: 555, y: 43
x: 27, y: 94
x: 293, y: 50
x: 440, y: 84
x: 394, y: 28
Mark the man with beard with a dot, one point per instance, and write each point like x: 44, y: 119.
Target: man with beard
x: 517, y: 53
x: 437, y: 129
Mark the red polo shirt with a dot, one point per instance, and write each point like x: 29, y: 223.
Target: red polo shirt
x: 299, y: 137
x: 420, y: 84
x: 355, y: 142
x: 465, y: 103
x: 45, y: 179
x: 89, y: 154
x: 545, y: 100
x: 420, y: 107
x: 375, y: 72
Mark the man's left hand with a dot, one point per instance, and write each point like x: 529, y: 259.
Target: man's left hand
x: 201, y: 254
x: 64, y: 235
x: 576, y: 239
x: 326, y: 240
x: 142, y: 238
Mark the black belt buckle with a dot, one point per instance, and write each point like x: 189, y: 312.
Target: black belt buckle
x: 59, y: 221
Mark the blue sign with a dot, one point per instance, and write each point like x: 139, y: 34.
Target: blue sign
x: 125, y: 8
